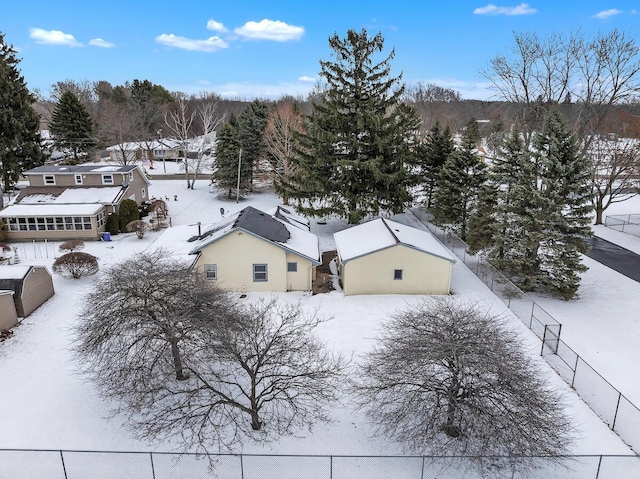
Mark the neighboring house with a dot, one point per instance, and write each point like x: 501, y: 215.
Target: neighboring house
x: 72, y: 202
x: 258, y: 251
x: 128, y: 152
x: 385, y: 257
x: 31, y: 286
x: 163, y: 149
x: 8, y: 315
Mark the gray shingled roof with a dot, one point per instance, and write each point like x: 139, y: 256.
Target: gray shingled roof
x: 262, y: 224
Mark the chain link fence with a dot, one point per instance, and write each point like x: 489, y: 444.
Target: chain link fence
x: 620, y: 414
x: 625, y: 223
x: 65, y: 464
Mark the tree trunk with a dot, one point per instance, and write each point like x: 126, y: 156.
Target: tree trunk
x: 177, y: 360
x: 450, y: 428
x: 256, y: 424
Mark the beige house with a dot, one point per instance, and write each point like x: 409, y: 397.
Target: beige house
x: 31, y: 286
x: 258, y: 251
x: 385, y: 257
x: 8, y: 315
x: 72, y: 202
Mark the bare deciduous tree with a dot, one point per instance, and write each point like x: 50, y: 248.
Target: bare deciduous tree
x: 181, y: 358
x: 615, y: 172
x: 450, y: 378
x: 593, y: 73
x: 75, y: 265
x: 139, y: 227
x: 117, y: 127
x: 284, y: 122
x: 136, y: 320
x: 262, y: 376
x: 180, y: 121
x: 208, y: 112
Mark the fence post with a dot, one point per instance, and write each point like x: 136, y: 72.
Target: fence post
x: 615, y: 416
x: 533, y: 306
x: 544, y: 338
x: 241, y: 467
x: 153, y: 469
x: 64, y: 469
x: 422, y: 472
x: 575, y: 369
x: 599, y: 464
x: 330, y: 467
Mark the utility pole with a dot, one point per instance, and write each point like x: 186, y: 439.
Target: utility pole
x: 238, y: 184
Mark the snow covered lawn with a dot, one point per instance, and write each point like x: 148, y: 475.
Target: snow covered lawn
x: 45, y: 404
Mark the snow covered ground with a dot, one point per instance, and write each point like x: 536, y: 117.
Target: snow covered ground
x: 44, y: 404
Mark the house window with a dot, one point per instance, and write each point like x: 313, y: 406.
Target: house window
x: 397, y: 274
x: 78, y: 179
x: 260, y: 272
x: 130, y: 176
x: 292, y: 267
x: 107, y: 179
x: 211, y: 271
x: 49, y: 180
x: 144, y: 193
x: 160, y: 153
x: 100, y: 219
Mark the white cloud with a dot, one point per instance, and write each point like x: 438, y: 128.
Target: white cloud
x: 53, y: 37
x: 211, y: 44
x: 99, y: 42
x: 491, y: 9
x: 306, y: 79
x: 270, y: 30
x: 604, y: 14
x: 216, y: 26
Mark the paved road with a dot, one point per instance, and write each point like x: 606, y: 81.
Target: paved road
x: 619, y: 259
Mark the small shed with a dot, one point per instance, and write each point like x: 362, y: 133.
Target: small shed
x: 31, y: 286
x: 8, y: 315
x: 386, y: 257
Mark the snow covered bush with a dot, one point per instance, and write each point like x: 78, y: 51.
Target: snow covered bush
x: 75, y: 265
x: 139, y: 227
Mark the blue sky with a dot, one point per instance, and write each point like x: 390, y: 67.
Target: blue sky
x: 269, y: 48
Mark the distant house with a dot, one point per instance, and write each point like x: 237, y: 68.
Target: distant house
x: 132, y: 151
x: 385, y: 257
x: 72, y: 202
x: 161, y: 149
x: 31, y: 286
x: 258, y: 251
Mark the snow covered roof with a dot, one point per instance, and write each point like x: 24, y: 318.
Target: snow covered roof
x: 14, y: 271
x: 60, y: 195
x: 86, y: 168
x: 382, y: 233
x: 288, y: 214
x: 20, y: 210
x: 269, y: 228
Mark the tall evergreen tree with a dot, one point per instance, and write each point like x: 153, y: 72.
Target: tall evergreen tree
x: 461, y: 179
x: 357, y: 157
x: 519, y: 218
x: 542, y: 210
x: 566, y: 188
x: 20, y: 147
x: 437, y: 148
x: 72, y: 127
x: 229, y: 154
x: 253, y: 121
